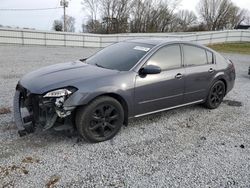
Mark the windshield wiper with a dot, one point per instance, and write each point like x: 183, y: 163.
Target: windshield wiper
x: 83, y: 60
x: 100, y: 66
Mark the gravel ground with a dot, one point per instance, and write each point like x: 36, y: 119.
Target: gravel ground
x: 186, y: 147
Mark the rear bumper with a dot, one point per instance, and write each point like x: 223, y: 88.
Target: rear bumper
x: 230, y: 79
x: 230, y: 85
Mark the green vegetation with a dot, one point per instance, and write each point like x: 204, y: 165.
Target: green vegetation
x: 241, y: 48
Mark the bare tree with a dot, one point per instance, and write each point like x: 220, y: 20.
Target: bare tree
x: 115, y: 14
x: 247, y: 17
x: 92, y: 7
x: 93, y: 26
x: 152, y: 15
x: 120, y: 16
x: 185, y: 19
x: 57, y: 25
x: 219, y: 14
x: 70, y: 23
x: 238, y: 16
x: 166, y: 19
x: 137, y: 16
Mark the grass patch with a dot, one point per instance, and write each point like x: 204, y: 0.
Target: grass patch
x: 239, y: 47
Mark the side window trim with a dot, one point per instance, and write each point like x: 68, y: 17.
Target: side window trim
x: 213, y: 57
x: 167, y: 45
x: 207, y: 57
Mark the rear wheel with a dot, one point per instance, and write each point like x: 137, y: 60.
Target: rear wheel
x: 216, y: 95
x: 101, y: 120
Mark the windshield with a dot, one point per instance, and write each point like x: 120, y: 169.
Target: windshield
x: 120, y: 56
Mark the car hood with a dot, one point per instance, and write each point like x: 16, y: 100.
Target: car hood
x: 62, y: 75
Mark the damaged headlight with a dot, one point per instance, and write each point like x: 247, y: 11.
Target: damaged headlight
x: 58, y: 97
x: 58, y: 93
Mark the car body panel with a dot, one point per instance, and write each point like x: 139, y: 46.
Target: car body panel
x: 142, y: 94
x: 225, y: 71
x: 154, y: 92
x: 61, y: 75
x: 197, y: 81
x: 121, y: 84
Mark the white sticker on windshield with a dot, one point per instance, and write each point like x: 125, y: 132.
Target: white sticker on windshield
x: 141, y: 48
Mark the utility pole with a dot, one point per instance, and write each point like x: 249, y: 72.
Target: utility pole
x: 65, y: 4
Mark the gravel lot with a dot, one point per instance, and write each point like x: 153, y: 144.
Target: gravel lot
x: 186, y: 147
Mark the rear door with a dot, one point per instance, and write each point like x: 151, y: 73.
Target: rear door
x: 159, y: 91
x: 199, y: 72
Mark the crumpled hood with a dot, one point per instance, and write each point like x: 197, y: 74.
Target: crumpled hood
x: 61, y: 75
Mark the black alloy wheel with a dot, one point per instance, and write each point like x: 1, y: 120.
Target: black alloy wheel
x: 100, y: 120
x: 103, y: 120
x: 216, y: 95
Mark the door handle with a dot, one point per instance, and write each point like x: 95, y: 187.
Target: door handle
x: 178, y: 76
x: 211, y: 70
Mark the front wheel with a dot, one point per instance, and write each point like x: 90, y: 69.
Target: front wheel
x: 216, y: 95
x: 100, y: 120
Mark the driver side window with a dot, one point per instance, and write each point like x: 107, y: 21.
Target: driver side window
x: 168, y: 57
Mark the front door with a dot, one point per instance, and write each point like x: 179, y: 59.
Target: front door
x: 164, y: 90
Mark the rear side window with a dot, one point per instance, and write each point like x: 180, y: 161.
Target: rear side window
x: 167, y: 57
x: 194, y: 55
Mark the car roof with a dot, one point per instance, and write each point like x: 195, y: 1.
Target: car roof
x: 154, y: 41
x: 161, y: 40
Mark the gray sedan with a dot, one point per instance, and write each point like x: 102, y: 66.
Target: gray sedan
x: 129, y: 79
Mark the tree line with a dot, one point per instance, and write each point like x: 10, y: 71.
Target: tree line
x: 150, y: 16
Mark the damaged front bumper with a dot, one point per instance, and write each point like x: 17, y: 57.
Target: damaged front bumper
x: 32, y: 110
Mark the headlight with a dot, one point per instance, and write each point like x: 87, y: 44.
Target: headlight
x: 58, y: 93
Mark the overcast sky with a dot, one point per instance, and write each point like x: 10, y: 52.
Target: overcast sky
x: 42, y: 20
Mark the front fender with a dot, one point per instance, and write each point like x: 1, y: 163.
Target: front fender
x: 121, y: 84
x: 84, y: 98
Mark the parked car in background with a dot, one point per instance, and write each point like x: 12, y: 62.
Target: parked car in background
x: 129, y: 79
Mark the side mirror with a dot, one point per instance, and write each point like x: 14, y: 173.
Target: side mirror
x: 150, y: 69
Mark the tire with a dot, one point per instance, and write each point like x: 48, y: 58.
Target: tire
x: 216, y: 95
x: 101, y: 120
